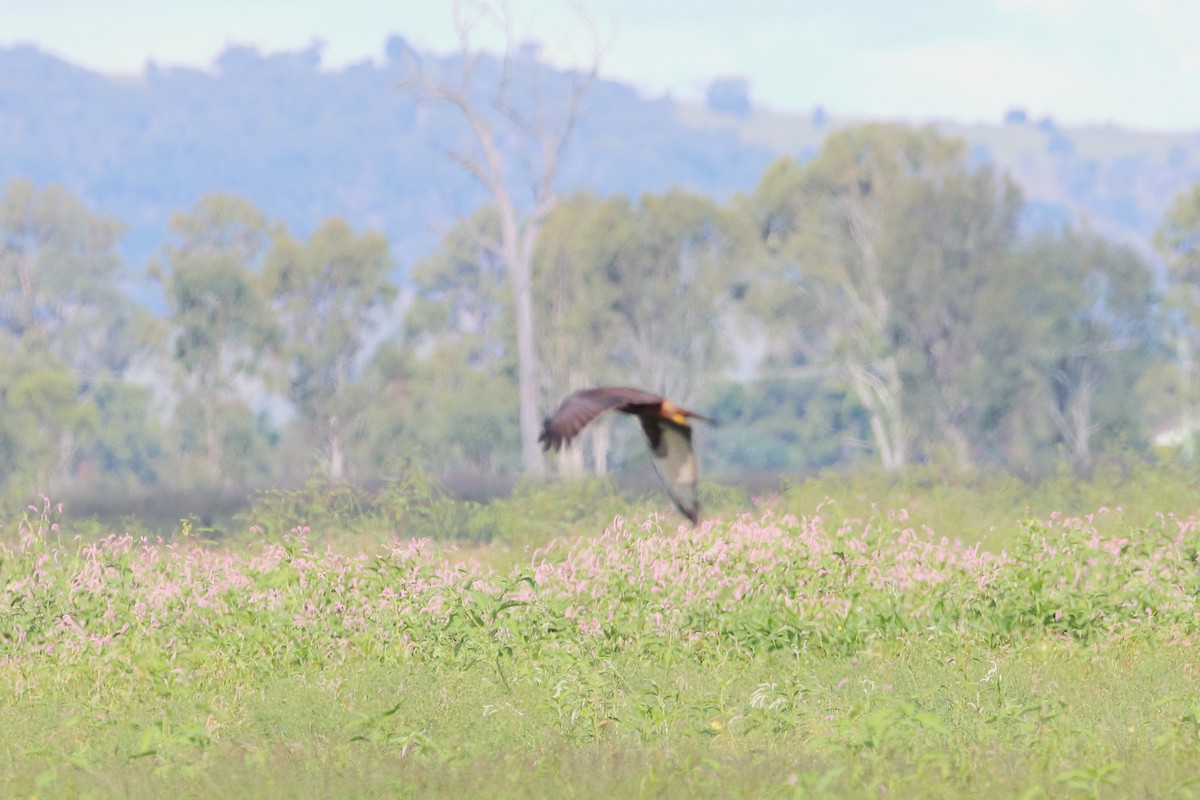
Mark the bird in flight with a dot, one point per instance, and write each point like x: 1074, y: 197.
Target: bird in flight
x: 665, y: 424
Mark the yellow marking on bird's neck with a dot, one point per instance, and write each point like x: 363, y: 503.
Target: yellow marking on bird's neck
x: 673, y: 413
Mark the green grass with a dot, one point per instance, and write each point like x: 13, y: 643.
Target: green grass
x: 811, y: 647
x: 1049, y: 719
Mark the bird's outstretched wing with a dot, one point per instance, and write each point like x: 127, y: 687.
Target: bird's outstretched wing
x: 664, y: 423
x: 580, y: 408
x: 675, y: 462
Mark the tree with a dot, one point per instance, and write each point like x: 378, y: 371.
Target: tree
x: 330, y: 298
x: 462, y: 383
x: 219, y: 321
x: 1178, y: 239
x: 128, y: 439
x: 538, y: 128
x: 946, y: 251
x: 574, y: 302
x: 60, y: 283
x: 672, y: 284
x: 791, y: 423
x: 70, y: 334
x: 821, y: 224
x: 390, y: 423
x: 892, y: 259
x: 460, y: 302
x: 1087, y: 308
x: 57, y: 260
x: 42, y: 421
x: 636, y: 294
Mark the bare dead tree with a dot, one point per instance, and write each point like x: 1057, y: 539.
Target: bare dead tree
x: 539, y: 135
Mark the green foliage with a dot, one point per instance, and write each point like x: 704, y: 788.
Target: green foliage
x: 534, y: 513
x: 871, y: 302
x: 221, y: 435
x: 129, y: 441
x: 462, y: 391
x: 66, y: 331
x: 414, y: 504
x: 43, y: 422
x: 467, y: 418
x: 1178, y: 236
x: 218, y: 320
x: 895, y: 266
x: 1088, y: 323
x: 330, y: 297
x: 767, y: 655
x: 461, y: 300
x: 57, y: 266
x: 781, y: 424
x: 1178, y: 240
x: 635, y: 293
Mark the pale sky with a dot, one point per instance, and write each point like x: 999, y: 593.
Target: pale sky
x: 1130, y: 62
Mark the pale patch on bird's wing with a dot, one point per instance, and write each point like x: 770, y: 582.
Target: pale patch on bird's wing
x: 675, y: 463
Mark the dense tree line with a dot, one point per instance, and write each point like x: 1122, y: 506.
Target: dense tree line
x: 874, y: 303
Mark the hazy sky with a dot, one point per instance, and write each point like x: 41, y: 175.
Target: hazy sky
x: 1131, y: 62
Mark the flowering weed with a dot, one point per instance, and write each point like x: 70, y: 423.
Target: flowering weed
x: 765, y: 655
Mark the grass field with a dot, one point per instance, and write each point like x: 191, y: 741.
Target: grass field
x: 817, y: 643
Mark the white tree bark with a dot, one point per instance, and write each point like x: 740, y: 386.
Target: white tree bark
x: 542, y: 141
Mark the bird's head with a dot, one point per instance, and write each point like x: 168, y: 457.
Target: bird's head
x: 674, y: 413
x: 680, y: 415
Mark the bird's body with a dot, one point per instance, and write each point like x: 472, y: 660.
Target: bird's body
x: 665, y: 424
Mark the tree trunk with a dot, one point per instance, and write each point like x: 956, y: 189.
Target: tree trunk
x: 1072, y: 417
x: 570, y: 460
x: 543, y: 144
x: 1081, y: 423
x: 337, y: 452
x: 212, y: 442
x: 531, y: 453
x: 601, y: 434
x: 881, y: 397
x: 1187, y: 412
x: 960, y: 443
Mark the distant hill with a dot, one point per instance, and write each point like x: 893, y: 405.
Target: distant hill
x: 304, y: 143
x: 1116, y: 180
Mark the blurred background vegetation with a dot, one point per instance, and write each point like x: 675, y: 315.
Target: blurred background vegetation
x: 876, y: 302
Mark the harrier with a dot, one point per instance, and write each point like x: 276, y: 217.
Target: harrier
x: 665, y: 424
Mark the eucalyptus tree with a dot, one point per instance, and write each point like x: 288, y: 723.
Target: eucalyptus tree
x: 1090, y: 324
x: 58, y: 265
x: 459, y: 373
x: 574, y: 300
x: 67, y: 329
x: 219, y: 322
x: 878, y: 254
x: 638, y: 293
x: 42, y: 422
x: 1178, y: 240
x: 520, y: 121
x: 460, y: 305
x: 955, y: 304
x: 672, y: 282
x: 331, y: 297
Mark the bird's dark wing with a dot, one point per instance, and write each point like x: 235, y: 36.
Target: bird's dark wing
x: 675, y: 462
x: 580, y: 408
